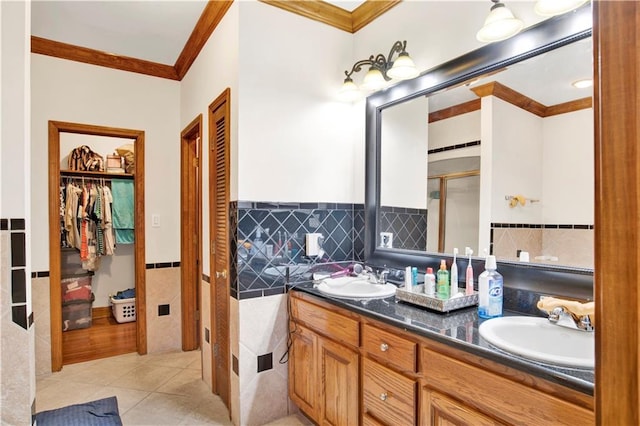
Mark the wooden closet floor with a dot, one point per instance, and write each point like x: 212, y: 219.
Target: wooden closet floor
x: 105, y: 338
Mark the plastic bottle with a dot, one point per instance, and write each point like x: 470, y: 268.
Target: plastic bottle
x: 454, y: 274
x: 414, y: 277
x: 408, y: 279
x: 430, y: 283
x: 490, y: 287
x: 443, y: 281
x: 469, y: 274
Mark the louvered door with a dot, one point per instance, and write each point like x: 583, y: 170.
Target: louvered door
x: 219, y: 140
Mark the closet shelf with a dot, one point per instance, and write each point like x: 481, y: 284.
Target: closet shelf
x: 105, y: 175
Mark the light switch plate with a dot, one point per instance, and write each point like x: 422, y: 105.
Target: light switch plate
x: 155, y: 221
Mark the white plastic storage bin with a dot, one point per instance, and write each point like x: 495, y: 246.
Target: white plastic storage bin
x: 124, y: 310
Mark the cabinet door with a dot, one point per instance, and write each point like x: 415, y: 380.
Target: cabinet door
x: 338, y: 381
x: 438, y: 410
x: 303, y: 389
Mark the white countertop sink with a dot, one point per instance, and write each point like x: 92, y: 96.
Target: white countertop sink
x: 355, y: 288
x: 537, y: 339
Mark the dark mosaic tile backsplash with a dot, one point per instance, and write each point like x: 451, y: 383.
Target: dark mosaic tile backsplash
x: 259, y: 268
x: 408, y: 226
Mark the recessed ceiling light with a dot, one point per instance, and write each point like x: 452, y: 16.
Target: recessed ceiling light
x: 584, y: 83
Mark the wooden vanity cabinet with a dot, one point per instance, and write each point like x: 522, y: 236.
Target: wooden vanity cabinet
x: 464, y: 389
x: 324, y: 364
x: 346, y: 369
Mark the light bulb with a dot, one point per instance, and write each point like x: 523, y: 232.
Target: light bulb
x: 499, y: 25
x: 403, y: 68
x: 373, y: 80
x: 349, y: 91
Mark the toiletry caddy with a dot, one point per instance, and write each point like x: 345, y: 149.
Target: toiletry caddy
x: 347, y: 366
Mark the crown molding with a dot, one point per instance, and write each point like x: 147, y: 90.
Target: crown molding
x: 452, y: 111
x: 335, y: 16
x: 71, y: 52
x: 368, y: 11
x: 526, y: 103
x: 511, y: 96
x: 211, y: 16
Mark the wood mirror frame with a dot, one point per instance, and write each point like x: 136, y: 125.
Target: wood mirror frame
x: 55, y: 128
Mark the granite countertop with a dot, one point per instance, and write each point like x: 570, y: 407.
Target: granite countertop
x: 458, y: 329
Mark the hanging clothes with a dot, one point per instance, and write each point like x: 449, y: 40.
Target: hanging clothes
x: 123, y: 210
x: 87, y: 219
x: 107, y: 225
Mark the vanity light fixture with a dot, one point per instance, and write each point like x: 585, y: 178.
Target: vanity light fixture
x: 381, y: 70
x: 502, y: 24
x: 583, y: 84
x: 557, y: 7
x: 499, y: 25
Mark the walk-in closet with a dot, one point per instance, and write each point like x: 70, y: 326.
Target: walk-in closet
x: 96, y: 242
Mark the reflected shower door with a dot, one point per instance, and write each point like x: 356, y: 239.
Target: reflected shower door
x: 453, y: 209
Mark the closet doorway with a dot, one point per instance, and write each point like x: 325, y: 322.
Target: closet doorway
x: 136, y: 138
x: 191, y: 232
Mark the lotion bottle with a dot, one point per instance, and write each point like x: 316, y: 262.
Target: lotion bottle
x: 490, y: 287
x: 430, y: 283
x: 443, y: 281
x: 454, y: 274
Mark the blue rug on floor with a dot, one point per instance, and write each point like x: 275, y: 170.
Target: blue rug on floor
x: 102, y: 412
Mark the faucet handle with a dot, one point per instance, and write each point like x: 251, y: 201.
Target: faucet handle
x: 579, y: 311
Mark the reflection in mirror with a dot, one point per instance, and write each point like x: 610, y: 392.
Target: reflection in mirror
x: 503, y: 163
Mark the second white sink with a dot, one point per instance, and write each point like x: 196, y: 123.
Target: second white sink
x: 539, y: 340
x: 355, y: 288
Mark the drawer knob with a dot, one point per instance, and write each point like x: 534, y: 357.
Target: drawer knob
x: 383, y: 396
x: 384, y: 347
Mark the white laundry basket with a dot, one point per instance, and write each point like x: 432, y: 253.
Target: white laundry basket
x: 124, y: 310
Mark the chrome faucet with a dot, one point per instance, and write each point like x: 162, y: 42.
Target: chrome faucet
x: 377, y: 278
x: 580, y: 316
x: 580, y: 322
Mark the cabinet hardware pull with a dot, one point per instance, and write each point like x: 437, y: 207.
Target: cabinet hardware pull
x: 384, y: 347
x: 383, y: 396
x: 222, y: 274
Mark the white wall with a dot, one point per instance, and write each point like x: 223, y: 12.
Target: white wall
x: 76, y: 92
x: 455, y: 130
x: 404, y: 155
x: 297, y: 140
x: 568, y: 171
x: 215, y: 69
x: 517, y: 162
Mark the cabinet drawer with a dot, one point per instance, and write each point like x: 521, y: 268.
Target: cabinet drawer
x: 387, y: 396
x: 331, y: 324
x: 510, y: 402
x: 397, y: 351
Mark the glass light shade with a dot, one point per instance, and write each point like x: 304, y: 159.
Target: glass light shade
x: 349, y: 92
x: 557, y: 7
x: 499, y: 25
x: 373, y: 80
x: 403, y: 68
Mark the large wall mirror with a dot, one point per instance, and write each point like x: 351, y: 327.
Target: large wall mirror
x: 492, y: 151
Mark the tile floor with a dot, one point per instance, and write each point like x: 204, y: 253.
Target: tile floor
x: 156, y: 389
